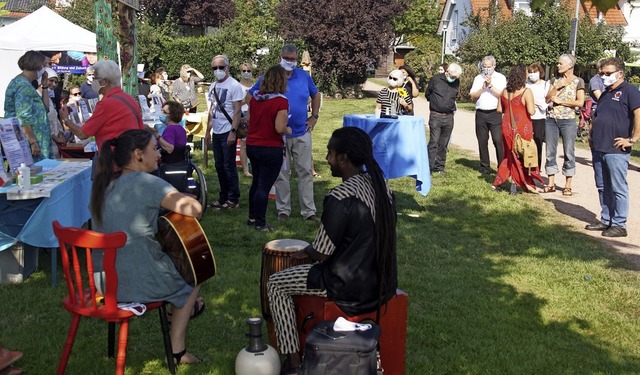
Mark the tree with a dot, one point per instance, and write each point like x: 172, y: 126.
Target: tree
x: 342, y: 37
x: 601, y: 5
x: 197, y: 13
x: 419, y: 23
x: 541, y: 37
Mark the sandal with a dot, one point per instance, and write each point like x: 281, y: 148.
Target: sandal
x: 549, y: 189
x: 567, y: 192
x: 198, y: 309
x: 177, y: 358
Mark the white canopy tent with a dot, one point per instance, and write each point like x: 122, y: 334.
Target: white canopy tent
x: 42, y: 30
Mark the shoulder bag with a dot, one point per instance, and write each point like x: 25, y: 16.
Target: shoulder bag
x: 243, y: 126
x: 527, y: 151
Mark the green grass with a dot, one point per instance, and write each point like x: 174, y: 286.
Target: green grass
x: 496, y: 284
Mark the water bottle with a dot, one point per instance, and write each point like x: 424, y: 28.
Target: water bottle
x: 24, y: 177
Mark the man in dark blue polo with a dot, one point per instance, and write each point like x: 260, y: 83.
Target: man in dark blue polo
x: 441, y: 94
x: 615, y: 130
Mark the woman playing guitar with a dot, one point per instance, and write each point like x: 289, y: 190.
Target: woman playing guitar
x: 126, y: 198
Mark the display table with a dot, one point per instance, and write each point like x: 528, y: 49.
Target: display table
x: 63, y: 195
x: 399, y: 146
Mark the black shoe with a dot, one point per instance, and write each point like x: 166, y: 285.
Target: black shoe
x: 615, y: 232
x: 486, y: 171
x: 596, y: 226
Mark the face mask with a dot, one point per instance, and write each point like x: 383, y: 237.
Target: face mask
x: 392, y: 83
x: 163, y: 118
x: 450, y: 79
x: 487, y: 71
x: 89, y: 79
x: 288, y: 65
x: 95, y: 85
x: 246, y: 75
x: 40, y: 73
x: 220, y: 74
x: 534, y: 77
x: 165, y: 76
x: 609, y: 80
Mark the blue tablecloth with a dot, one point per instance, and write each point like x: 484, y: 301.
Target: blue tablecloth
x: 29, y: 220
x: 399, y: 146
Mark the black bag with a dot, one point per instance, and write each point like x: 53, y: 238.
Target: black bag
x: 243, y: 127
x: 329, y: 352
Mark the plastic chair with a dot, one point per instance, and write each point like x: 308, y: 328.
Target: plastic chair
x: 88, y: 302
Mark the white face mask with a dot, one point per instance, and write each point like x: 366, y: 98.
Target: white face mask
x: 392, y: 83
x: 220, y: 74
x: 610, y: 80
x: 487, y: 71
x: 288, y: 65
x: 165, y: 76
x: 246, y: 75
x: 89, y: 79
x: 534, y: 77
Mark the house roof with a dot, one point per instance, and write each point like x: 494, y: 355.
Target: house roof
x: 613, y: 17
x: 22, y: 8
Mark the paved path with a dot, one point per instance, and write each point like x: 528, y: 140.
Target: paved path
x: 581, y: 208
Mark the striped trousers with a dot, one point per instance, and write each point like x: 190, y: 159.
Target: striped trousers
x: 281, y: 288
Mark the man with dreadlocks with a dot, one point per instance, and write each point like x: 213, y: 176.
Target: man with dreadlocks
x: 354, y: 250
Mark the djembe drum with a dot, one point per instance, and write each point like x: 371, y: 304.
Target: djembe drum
x: 277, y: 255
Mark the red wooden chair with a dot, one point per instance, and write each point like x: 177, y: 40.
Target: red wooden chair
x: 83, y: 301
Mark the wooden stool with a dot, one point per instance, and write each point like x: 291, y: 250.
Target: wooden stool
x: 310, y: 310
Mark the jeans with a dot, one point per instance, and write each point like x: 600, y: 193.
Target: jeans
x: 265, y: 163
x: 298, y: 153
x: 225, y: 163
x: 489, y: 123
x: 610, y: 172
x: 567, y: 129
x: 440, y: 128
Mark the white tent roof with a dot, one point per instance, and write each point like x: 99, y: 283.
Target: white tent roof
x: 42, y: 30
x: 46, y: 30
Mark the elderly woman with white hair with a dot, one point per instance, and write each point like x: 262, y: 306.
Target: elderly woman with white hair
x: 566, y: 93
x: 394, y: 100
x: 184, y: 90
x: 114, y: 114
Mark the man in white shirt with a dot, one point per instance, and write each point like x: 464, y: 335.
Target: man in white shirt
x: 485, y: 91
x: 221, y: 130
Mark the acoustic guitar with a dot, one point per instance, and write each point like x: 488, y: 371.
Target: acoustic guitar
x: 183, y: 239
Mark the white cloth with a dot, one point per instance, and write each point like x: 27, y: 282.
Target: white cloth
x: 539, y: 91
x: 228, y: 91
x: 343, y: 325
x: 487, y: 100
x: 245, y: 89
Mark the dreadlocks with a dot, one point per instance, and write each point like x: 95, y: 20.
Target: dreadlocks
x: 357, y: 145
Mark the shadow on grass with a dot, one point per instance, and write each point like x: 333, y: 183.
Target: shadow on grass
x: 466, y: 317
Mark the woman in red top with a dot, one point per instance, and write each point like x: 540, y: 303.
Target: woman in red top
x: 268, y: 115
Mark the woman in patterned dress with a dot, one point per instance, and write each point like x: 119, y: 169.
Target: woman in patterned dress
x: 23, y: 101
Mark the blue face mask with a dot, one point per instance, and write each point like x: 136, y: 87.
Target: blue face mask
x: 163, y: 118
x: 449, y: 79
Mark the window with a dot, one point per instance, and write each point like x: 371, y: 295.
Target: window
x: 454, y: 26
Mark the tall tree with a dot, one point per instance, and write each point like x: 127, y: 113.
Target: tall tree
x: 541, y: 37
x: 342, y: 37
x: 197, y: 13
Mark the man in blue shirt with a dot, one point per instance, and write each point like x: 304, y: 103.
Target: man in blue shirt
x: 596, y: 87
x: 615, y: 130
x: 300, y: 87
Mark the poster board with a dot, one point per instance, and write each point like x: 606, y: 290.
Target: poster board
x: 15, y: 144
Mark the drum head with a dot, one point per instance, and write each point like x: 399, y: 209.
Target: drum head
x: 285, y: 245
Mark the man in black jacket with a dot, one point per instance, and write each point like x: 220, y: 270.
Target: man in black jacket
x: 441, y: 94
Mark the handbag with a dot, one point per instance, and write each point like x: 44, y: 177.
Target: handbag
x: 243, y: 126
x: 527, y: 151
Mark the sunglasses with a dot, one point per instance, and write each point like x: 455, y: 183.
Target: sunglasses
x: 75, y: 94
x: 610, y: 73
x: 90, y: 75
x: 246, y: 71
x: 221, y: 67
x: 393, y: 78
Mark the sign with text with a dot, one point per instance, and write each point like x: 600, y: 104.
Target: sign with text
x: 15, y: 144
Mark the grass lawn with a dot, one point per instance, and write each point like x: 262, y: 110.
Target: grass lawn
x: 496, y: 284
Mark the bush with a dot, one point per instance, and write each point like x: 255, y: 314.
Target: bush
x: 469, y: 72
